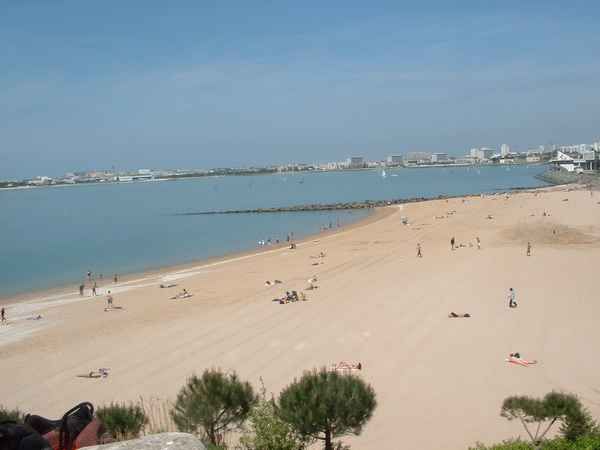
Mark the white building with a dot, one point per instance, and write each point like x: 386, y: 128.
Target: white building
x: 504, y: 149
x: 440, y: 158
x: 482, y: 154
x: 394, y: 160
x: 564, y: 161
x: 417, y: 157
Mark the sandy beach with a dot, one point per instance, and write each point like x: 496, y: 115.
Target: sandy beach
x: 440, y: 382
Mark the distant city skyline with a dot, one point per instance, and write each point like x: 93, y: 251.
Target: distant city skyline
x: 142, y: 84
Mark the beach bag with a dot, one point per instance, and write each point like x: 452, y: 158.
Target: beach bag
x: 77, y: 428
x: 14, y: 436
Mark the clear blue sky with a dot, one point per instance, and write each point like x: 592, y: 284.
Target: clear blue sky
x: 92, y: 84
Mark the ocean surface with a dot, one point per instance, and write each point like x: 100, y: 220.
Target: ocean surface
x: 52, y: 236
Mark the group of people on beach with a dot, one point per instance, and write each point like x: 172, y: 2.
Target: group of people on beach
x: 93, y: 282
x: 291, y: 296
x: 289, y: 239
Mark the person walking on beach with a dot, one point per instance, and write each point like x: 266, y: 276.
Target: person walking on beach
x: 81, y: 287
x: 419, y: 254
x: 115, y: 278
x: 529, y: 249
x: 3, y: 314
x: 94, y: 288
x: 452, y: 241
x: 109, y: 301
x: 478, y: 243
x: 512, y: 303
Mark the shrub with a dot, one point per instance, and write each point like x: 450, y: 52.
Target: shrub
x: 267, y: 430
x: 214, y: 404
x: 14, y: 415
x: 323, y: 405
x: 506, y: 445
x: 123, y: 421
x: 588, y: 442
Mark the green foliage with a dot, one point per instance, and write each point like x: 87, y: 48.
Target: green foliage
x: 324, y: 405
x: 14, y: 415
x: 516, y: 444
x: 267, y: 430
x: 578, y: 422
x: 123, y: 421
x: 213, y: 404
x: 554, y: 407
x: 588, y: 442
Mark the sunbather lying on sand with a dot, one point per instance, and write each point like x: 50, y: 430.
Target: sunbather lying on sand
x: 515, y: 358
x: 182, y: 294
x: 38, y: 317
x: 345, y: 365
x: 100, y: 373
x: 170, y: 285
x: 271, y: 283
x: 453, y: 315
x: 114, y: 308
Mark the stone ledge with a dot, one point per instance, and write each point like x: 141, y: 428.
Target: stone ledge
x: 162, y: 441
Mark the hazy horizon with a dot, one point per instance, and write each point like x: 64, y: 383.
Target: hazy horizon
x: 201, y: 85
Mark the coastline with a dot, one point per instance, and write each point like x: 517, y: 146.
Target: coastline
x: 160, y: 270
x: 71, y: 289
x: 375, y: 302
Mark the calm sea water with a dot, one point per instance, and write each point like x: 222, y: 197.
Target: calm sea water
x: 53, y: 236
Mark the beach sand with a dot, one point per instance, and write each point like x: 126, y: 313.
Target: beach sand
x: 440, y: 382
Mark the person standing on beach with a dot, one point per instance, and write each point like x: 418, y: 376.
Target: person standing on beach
x: 3, y: 314
x: 511, y: 298
x: 89, y: 275
x: 115, y: 278
x: 94, y: 288
x: 529, y: 249
x: 419, y: 254
x: 478, y: 243
x: 81, y: 287
x: 452, y: 241
x: 109, y: 300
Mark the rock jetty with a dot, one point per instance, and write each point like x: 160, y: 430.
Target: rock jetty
x: 312, y: 207
x: 342, y: 206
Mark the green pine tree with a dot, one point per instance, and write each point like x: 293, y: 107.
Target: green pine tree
x: 324, y: 405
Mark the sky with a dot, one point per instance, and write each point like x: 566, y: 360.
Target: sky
x: 199, y: 84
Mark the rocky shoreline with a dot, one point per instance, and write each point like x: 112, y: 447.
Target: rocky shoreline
x: 558, y: 177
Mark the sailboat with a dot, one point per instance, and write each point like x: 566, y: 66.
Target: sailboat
x: 383, y: 174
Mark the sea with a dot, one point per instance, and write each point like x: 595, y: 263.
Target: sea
x: 52, y: 236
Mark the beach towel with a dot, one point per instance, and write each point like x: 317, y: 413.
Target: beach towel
x: 520, y: 361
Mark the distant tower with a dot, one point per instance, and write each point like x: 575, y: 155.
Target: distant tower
x: 504, y: 150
